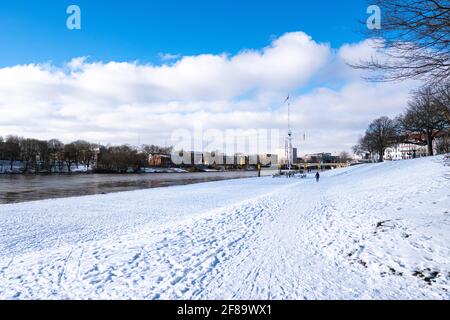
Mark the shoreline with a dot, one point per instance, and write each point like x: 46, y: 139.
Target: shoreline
x: 157, y: 171
x: 26, y: 188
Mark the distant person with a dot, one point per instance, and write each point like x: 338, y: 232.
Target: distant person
x: 317, y: 176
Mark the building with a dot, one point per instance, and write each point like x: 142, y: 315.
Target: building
x: 404, y: 151
x: 268, y: 160
x: 240, y: 159
x: 361, y: 157
x: 321, y: 158
x: 159, y: 160
x: 295, y: 158
x: 417, y: 147
x: 215, y: 158
x: 187, y: 158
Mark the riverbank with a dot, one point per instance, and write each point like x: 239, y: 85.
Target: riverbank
x: 22, y: 188
x: 18, y: 169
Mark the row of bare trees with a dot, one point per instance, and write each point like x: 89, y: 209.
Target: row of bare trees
x: 425, y: 120
x: 54, y: 156
x: 49, y: 156
x: 412, y: 43
x: 120, y: 159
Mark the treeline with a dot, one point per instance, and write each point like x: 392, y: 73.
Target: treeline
x: 425, y: 121
x: 54, y: 156
x: 125, y: 158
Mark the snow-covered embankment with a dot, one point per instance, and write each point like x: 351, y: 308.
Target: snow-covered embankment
x: 373, y: 231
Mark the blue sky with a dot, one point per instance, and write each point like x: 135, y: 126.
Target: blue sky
x: 236, y: 62
x: 35, y: 31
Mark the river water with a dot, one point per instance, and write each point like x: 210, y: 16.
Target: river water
x: 22, y: 188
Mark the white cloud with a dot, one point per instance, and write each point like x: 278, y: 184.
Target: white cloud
x: 77, y: 63
x: 168, y: 56
x: 118, y: 102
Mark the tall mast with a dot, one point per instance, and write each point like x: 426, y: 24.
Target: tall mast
x: 289, y: 118
x: 289, y: 138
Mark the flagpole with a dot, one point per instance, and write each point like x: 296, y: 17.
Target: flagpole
x: 289, y: 139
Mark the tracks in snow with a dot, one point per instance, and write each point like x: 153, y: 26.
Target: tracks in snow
x: 302, y: 240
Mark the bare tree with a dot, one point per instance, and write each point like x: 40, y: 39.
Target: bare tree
x: 29, y: 150
x: 70, y: 156
x: 153, y: 149
x: 415, y: 41
x: 84, y: 152
x: 12, y: 149
x: 425, y: 117
x: 55, y: 149
x: 441, y: 97
x: 381, y: 134
x: 443, y: 144
x: 2, y: 148
x: 344, y: 157
x: 120, y: 159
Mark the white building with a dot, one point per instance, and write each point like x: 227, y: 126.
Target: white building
x: 404, y: 151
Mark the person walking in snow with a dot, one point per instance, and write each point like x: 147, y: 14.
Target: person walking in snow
x: 317, y: 176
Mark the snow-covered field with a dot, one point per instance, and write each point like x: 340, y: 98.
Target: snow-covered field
x: 379, y: 231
